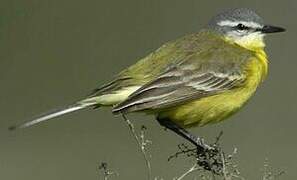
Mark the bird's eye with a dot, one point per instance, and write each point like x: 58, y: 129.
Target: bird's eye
x: 241, y: 27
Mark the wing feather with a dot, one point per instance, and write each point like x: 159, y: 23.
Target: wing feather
x: 182, y: 83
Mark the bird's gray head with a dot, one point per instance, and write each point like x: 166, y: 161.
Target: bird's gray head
x: 243, y: 26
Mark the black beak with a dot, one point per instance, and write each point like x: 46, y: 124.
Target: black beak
x: 272, y: 29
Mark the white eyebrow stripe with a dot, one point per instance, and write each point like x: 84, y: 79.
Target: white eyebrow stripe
x: 235, y: 23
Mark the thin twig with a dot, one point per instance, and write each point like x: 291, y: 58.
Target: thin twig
x: 194, y: 168
x: 225, y: 174
x: 229, y: 174
x: 140, y: 144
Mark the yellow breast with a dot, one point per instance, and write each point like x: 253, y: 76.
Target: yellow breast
x: 216, y: 108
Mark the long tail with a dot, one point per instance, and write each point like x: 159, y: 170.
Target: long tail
x: 55, y: 113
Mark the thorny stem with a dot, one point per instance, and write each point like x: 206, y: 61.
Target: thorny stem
x: 226, y: 177
x: 141, y: 145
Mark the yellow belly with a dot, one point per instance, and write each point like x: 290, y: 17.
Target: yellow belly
x: 218, y: 107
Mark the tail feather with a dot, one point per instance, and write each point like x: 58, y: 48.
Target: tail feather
x: 53, y: 114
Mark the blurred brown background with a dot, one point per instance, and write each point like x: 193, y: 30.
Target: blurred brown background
x: 56, y: 51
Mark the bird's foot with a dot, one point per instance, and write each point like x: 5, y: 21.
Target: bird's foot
x: 209, y: 157
x: 202, y: 145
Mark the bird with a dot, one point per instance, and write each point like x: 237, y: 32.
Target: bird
x: 198, y: 79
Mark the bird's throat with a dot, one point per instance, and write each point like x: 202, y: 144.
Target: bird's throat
x: 254, y: 42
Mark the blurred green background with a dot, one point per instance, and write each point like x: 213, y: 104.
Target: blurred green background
x: 56, y: 51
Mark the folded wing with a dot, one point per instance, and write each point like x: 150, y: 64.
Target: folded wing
x: 193, y: 78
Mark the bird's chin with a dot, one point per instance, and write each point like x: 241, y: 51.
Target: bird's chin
x: 254, y: 41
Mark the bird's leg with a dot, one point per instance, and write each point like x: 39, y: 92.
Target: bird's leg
x: 208, y: 157
x: 197, y: 141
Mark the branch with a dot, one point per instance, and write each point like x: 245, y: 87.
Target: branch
x: 142, y: 143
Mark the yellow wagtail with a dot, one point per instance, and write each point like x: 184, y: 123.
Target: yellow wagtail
x: 195, y: 80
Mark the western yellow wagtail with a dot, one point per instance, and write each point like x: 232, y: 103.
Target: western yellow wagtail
x: 195, y: 80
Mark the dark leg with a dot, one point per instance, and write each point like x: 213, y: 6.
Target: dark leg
x: 198, y: 142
